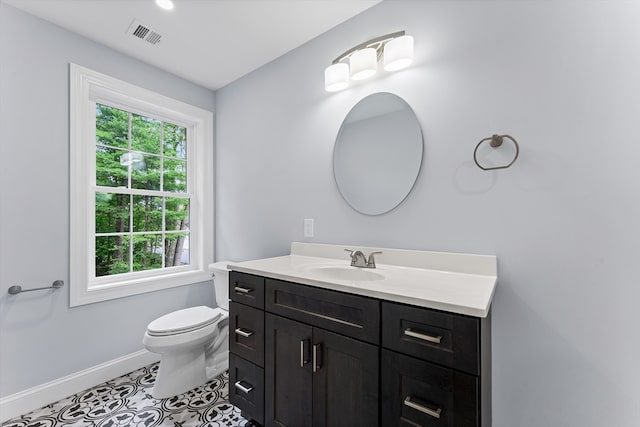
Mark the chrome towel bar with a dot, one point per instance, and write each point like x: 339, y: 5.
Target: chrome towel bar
x: 16, y: 289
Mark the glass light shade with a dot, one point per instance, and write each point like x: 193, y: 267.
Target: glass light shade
x: 398, y: 53
x: 363, y: 63
x: 336, y: 77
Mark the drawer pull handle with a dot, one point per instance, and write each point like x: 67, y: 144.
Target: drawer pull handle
x: 431, y: 412
x: 243, y: 388
x: 316, y: 362
x: 411, y: 333
x: 244, y: 332
x: 303, y: 359
x: 242, y: 290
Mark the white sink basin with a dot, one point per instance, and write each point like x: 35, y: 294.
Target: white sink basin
x: 355, y: 274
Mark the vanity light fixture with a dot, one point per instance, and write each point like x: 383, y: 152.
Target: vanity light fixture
x: 398, y: 53
x: 336, y: 77
x: 361, y: 62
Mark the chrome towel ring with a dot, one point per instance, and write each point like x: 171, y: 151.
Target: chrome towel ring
x: 496, y: 141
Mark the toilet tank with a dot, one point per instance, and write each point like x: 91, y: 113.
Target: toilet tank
x: 221, y: 283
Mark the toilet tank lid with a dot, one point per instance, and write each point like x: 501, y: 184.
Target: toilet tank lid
x: 188, y: 318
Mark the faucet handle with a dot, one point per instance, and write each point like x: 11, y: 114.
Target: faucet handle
x: 358, y: 258
x: 371, y: 263
x: 351, y: 255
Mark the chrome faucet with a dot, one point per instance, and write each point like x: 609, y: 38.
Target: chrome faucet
x: 359, y: 259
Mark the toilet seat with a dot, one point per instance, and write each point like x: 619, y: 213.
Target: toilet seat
x: 183, y: 321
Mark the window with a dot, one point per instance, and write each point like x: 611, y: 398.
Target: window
x: 141, y: 190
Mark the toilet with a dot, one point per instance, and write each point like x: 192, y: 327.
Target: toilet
x: 193, y: 343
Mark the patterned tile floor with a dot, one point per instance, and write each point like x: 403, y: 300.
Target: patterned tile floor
x: 127, y: 401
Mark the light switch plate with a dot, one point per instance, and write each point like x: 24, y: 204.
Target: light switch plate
x: 308, y: 227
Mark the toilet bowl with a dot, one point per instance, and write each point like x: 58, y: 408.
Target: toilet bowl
x: 193, y: 343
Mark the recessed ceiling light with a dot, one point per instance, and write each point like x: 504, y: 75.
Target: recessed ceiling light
x: 165, y: 4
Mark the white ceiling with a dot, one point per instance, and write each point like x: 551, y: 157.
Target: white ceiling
x: 209, y: 42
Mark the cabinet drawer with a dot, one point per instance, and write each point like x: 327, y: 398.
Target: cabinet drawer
x: 246, y: 332
x: 447, y: 339
x: 246, y: 289
x: 246, y: 387
x: 350, y: 315
x: 417, y: 393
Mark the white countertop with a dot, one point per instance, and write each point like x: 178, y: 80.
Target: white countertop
x: 466, y: 286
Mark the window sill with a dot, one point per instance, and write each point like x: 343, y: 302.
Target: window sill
x: 82, y: 295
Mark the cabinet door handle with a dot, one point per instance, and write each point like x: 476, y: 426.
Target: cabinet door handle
x: 435, y: 413
x: 245, y: 389
x: 244, y: 332
x: 303, y: 353
x: 242, y: 290
x: 411, y: 333
x: 317, y: 355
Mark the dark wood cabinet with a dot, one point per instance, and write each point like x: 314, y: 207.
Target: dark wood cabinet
x: 437, y: 368
x: 246, y: 387
x: 416, y: 392
x: 447, y: 339
x: 247, y: 289
x: 345, y: 382
x: 288, y: 375
x: 316, y: 378
x: 246, y: 344
x: 246, y: 332
x: 332, y: 359
x: 351, y: 315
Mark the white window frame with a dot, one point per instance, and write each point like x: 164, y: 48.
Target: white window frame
x: 88, y: 87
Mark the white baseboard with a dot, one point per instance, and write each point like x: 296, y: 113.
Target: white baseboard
x: 36, y: 397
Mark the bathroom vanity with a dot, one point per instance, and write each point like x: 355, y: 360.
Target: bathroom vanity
x: 316, y: 342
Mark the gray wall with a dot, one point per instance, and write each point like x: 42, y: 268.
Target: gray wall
x: 41, y: 338
x: 564, y: 221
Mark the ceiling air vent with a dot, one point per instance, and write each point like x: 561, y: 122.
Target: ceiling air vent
x: 144, y: 32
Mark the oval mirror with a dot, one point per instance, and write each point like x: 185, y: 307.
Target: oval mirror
x: 378, y: 154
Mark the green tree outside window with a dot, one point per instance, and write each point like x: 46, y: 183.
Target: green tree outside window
x: 137, y: 232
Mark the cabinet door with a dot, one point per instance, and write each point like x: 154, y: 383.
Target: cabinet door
x: 345, y: 381
x: 288, y: 381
